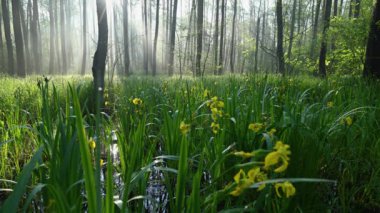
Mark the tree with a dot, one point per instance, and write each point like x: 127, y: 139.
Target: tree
x: 372, y: 61
x: 199, y: 37
x: 315, y: 28
x: 8, y: 38
x: 52, y: 38
x: 63, y: 37
x: 172, y: 38
x: 221, y: 48
x: 99, y: 63
x: 146, y: 39
x: 232, y: 51
x: 292, y: 26
x: 280, y: 38
x: 84, y: 38
x: 216, y: 36
x: 326, y: 24
x: 34, y: 37
x: 154, y: 68
x: 1, y: 43
x: 18, y: 38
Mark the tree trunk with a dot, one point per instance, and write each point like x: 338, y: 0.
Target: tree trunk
x: 35, y: 39
x: 8, y: 38
x: 126, y: 38
x: 56, y: 40
x: 199, y: 37
x: 326, y: 24
x: 292, y: 26
x: 232, y: 51
x: 315, y: 28
x: 257, y: 44
x: 372, y: 61
x: 146, y: 39
x: 280, y: 38
x: 172, y: 38
x: 1, y: 44
x: 216, y: 36
x: 52, y: 38
x: 154, y: 68
x: 84, y: 38
x: 18, y: 38
x: 221, y: 48
x: 357, y: 8
x: 25, y: 33
x: 63, y: 38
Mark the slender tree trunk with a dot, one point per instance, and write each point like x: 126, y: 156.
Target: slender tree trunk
x: 257, y: 44
x: 63, y: 37
x: 232, y: 51
x: 52, y: 38
x: 1, y: 44
x: 372, y: 61
x: 146, y: 39
x: 199, y: 37
x: 292, y: 26
x: 8, y: 38
x: 35, y: 39
x: 357, y: 8
x: 172, y: 38
x: 326, y: 24
x: 154, y: 69
x: 84, y: 38
x: 18, y: 38
x: 56, y: 38
x: 126, y: 38
x: 216, y: 36
x: 25, y: 33
x: 315, y: 28
x: 221, y: 48
x: 280, y: 38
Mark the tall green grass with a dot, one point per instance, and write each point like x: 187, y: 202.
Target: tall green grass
x: 308, y: 114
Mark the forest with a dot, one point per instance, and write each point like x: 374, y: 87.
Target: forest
x: 189, y: 106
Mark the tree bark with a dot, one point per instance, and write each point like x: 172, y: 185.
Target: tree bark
x: 154, y: 68
x: 221, y: 48
x: 18, y: 38
x: 315, y: 28
x: 146, y: 39
x: 199, y: 37
x: 25, y: 33
x: 35, y: 39
x: 257, y: 44
x: 1, y: 44
x: 172, y: 38
x: 292, y: 26
x: 232, y: 51
x: 63, y: 37
x: 84, y: 38
x: 280, y: 38
x: 126, y: 38
x: 372, y: 61
x: 216, y: 36
x: 52, y: 38
x: 8, y: 38
x: 326, y: 24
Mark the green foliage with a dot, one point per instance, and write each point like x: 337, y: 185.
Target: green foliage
x: 330, y: 126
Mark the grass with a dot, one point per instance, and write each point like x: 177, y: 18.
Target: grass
x: 331, y: 128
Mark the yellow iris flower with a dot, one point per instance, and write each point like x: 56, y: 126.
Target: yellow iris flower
x: 185, y: 128
x: 137, y: 101
x: 256, y: 127
x: 281, y: 155
x: 287, y: 189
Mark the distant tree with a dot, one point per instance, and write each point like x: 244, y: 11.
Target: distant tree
x: 25, y: 33
x: 18, y: 38
x: 84, y: 38
x: 323, y: 52
x: 99, y: 63
x: 292, y: 26
x: 35, y: 38
x: 216, y: 36
x: 154, y: 67
x: 63, y: 36
x: 199, y: 37
x: 1, y: 44
x: 146, y: 38
x: 315, y: 28
x: 232, y: 50
x: 8, y: 38
x: 372, y: 61
x: 221, y: 47
x: 280, y: 38
x: 257, y: 44
x: 52, y: 37
x: 173, y: 38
